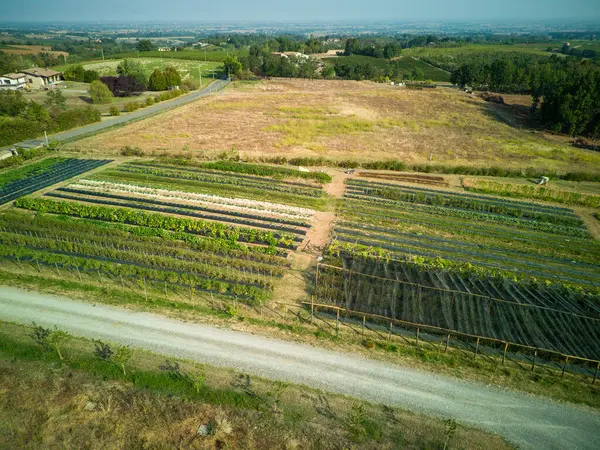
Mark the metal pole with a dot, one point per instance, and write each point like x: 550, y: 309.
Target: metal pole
x: 363, y: 325
x: 476, y: 349
x: 390, y: 332
x: 418, y: 331
x: 337, y: 322
x: 564, y: 367
x: 533, y: 362
x: 596, y: 374
x: 504, y: 355
x: 447, y: 343
x: 312, y: 308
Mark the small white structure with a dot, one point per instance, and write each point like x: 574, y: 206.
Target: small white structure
x: 13, y: 81
x: 41, y: 78
x: 542, y: 180
x: 164, y: 49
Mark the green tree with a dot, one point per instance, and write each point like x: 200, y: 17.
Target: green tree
x: 90, y: 75
x: 56, y: 99
x: 100, y: 93
x: 74, y: 73
x: 34, y: 112
x: 134, y: 69
x: 417, y: 74
x: 145, y: 45
x: 157, y: 81
x: 172, y: 77
x: 12, y: 103
x: 232, y: 65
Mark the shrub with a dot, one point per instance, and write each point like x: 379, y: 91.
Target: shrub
x: 123, y: 85
x: 114, y: 111
x: 77, y: 117
x: 150, y: 101
x: 132, y: 106
x: 131, y: 151
x: 191, y: 84
x: 90, y: 76
x: 100, y: 93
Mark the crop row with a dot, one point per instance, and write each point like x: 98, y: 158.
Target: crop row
x: 530, y: 265
x: 535, y: 192
x: 155, y: 220
x: 28, y: 171
x: 473, y: 215
x: 507, y: 254
x: 253, y: 169
x: 168, y: 201
x: 65, y: 227
x: 77, y: 263
x: 219, y: 179
x: 234, y: 204
x: 172, y: 208
x: 209, y: 169
x: 467, y: 204
x: 61, y: 171
x: 482, y: 233
x: 488, y: 199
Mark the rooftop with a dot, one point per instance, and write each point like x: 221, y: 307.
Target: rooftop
x: 41, y: 72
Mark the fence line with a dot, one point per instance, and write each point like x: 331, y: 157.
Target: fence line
x: 453, y: 291
x: 449, y: 333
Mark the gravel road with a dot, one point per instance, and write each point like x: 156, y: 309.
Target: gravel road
x: 527, y: 421
x: 88, y: 130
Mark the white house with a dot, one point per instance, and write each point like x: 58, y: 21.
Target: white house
x: 41, y: 78
x: 13, y: 81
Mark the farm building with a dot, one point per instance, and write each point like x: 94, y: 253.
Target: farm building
x: 13, y: 81
x: 40, y: 78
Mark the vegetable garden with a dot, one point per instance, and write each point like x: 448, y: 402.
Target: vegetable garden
x: 516, y: 272
x: 171, y: 228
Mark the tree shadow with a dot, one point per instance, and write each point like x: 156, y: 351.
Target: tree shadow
x: 86, y: 99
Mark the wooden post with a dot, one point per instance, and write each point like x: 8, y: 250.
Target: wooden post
x: 166, y: 288
x: 533, y: 362
x: 145, y: 291
x: 312, y: 308
x: 596, y: 373
x: 418, y: 332
x: 337, y: 323
x: 504, y: 355
x: 363, y: 325
x: 476, y: 348
x: 564, y: 367
x: 447, y: 343
x: 317, y: 277
x: 390, y: 332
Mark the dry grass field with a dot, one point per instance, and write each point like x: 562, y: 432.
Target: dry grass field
x: 345, y: 119
x: 31, y: 49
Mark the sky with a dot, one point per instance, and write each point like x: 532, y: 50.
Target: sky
x: 295, y: 11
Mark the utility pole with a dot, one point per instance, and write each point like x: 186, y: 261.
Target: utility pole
x: 200, y: 75
x: 204, y: 55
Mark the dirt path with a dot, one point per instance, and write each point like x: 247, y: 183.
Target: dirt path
x: 527, y: 421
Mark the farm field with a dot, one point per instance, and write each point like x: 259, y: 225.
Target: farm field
x: 30, y: 49
x: 343, y: 120
x: 205, y: 229
x: 407, y: 64
x: 186, y: 68
x: 497, y: 268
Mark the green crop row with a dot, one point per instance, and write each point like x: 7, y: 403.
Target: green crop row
x: 473, y: 215
x: 535, y: 192
x: 252, y: 169
x: 63, y: 226
x: 474, y: 205
x: 162, y: 262
x: 73, y: 263
x: 154, y: 220
x: 219, y: 179
x: 29, y: 170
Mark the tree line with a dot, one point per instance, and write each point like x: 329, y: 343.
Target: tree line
x: 566, y: 91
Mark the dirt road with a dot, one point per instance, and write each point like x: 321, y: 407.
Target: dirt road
x: 527, y: 421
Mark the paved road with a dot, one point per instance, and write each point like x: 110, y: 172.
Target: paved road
x: 142, y: 113
x: 530, y: 422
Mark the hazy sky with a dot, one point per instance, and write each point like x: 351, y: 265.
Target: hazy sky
x: 303, y: 10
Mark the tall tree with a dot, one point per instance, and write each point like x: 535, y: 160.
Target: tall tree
x: 157, y: 81
x: 133, y: 69
x: 145, y: 45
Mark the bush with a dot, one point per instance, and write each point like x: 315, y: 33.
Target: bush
x: 77, y: 117
x: 150, y: 101
x: 114, y: 111
x: 123, y: 85
x: 90, y: 76
x: 132, y: 106
x: 191, y: 84
x: 131, y: 151
x: 100, y: 93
